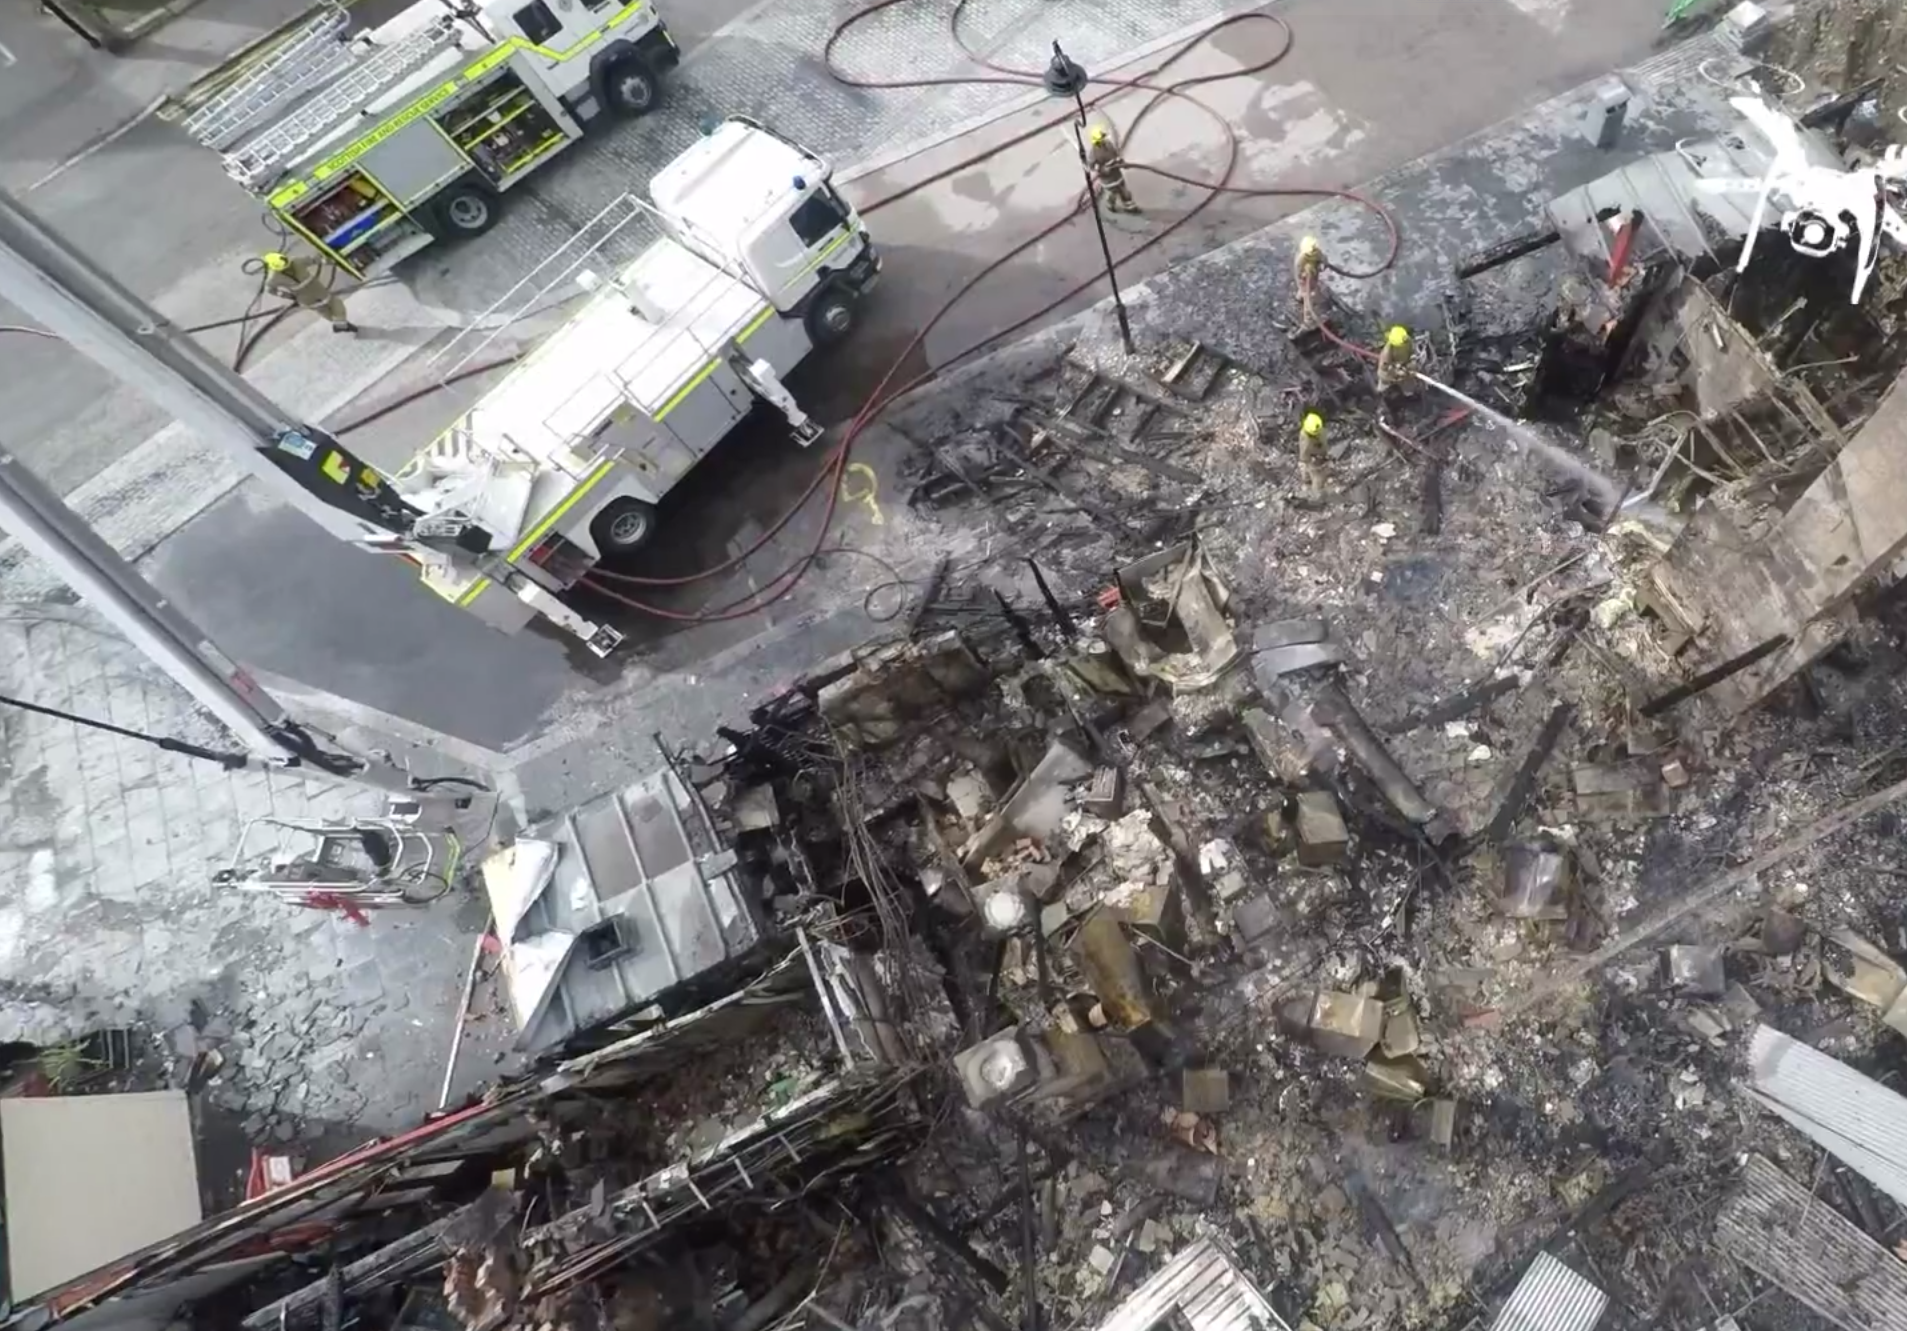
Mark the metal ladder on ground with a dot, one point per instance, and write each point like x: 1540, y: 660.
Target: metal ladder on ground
x: 307, y: 57
x: 252, y: 164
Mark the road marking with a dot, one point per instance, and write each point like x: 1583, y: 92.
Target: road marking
x: 105, y: 142
x: 867, y: 496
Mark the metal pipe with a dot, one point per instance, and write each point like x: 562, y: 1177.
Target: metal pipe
x: 1099, y: 222
x: 463, y: 1016
x: 1029, y: 1243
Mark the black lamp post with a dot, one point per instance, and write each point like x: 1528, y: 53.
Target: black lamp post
x: 1065, y: 79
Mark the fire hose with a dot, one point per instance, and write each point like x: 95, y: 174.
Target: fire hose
x: 885, y: 392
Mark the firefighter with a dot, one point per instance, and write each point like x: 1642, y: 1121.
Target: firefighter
x: 1307, y: 272
x: 297, y: 280
x: 1393, y: 362
x: 1109, y: 170
x: 1311, y: 456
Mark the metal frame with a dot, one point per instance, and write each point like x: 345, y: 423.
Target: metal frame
x: 414, y: 859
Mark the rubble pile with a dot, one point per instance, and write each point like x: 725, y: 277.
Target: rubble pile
x: 1394, y: 865
x: 1843, y: 44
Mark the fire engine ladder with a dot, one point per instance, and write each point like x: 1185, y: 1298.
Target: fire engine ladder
x: 252, y: 164
x: 313, y: 53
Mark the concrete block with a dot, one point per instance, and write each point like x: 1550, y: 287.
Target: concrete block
x: 1346, y: 1025
x: 995, y: 1069
x: 1402, y: 1034
x: 1081, y: 1069
x: 1253, y: 919
x: 1697, y: 970
x: 1603, y: 120
x: 1102, y: 797
x: 1746, y: 26
x: 1322, y: 835
x: 1288, y: 633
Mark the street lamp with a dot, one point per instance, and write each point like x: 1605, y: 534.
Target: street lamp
x: 1065, y: 79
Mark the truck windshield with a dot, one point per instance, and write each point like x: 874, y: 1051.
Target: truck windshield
x: 818, y: 217
x: 538, y: 24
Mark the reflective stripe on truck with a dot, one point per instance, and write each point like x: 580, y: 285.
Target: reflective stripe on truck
x: 331, y: 165
x: 541, y: 529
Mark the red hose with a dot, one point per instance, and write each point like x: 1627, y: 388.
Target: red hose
x: 785, y: 580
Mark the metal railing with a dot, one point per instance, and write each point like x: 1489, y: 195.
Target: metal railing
x: 559, y: 267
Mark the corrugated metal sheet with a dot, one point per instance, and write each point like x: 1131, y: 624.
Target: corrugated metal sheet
x: 1208, y: 1290
x: 1677, y: 211
x: 1775, y: 1228
x: 1551, y: 1297
x: 1854, y: 1118
x: 639, y: 904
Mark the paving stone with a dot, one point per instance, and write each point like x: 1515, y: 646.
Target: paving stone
x: 363, y: 983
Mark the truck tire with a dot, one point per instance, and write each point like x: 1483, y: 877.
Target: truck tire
x: 465, y: 211
x: 830, y: 317
x: 624, y: 525
x: 631, y: 87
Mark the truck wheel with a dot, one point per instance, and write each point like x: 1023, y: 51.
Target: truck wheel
x: 632, y: 88
x: 623, y: 525
x: 465, y: 211
x: 831, y: 317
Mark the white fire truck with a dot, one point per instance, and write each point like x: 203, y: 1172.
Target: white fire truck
x: 370, y: 147
x: 759, y: 261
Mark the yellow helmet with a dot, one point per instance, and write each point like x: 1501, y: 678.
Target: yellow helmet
x: 1399, y: 336
x: 1312, y: 423
x: 277, y: 262
x: 1309, y: 245
x: 1097, y: 134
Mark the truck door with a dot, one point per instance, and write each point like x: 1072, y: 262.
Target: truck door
x: 656, y: 454
x: 708, y: 411
x: 784, y: 253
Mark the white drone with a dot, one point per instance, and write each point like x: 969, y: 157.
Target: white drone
x: 1829, y: 205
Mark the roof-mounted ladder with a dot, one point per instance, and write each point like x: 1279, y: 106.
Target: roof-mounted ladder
x: 253, y: 163
x: 307, y: 57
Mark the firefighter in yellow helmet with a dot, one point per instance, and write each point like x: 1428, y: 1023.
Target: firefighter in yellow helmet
x: 1109, y: 169
x: 1307, y: 272
x: 1393, y: 360
x: 298, y: 280
x: 1312, y: 457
